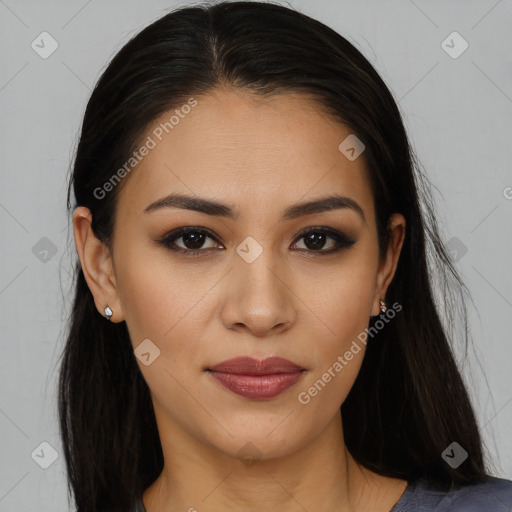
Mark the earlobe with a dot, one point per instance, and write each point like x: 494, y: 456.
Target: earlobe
x: 97, y: 265
x: 396, y: 228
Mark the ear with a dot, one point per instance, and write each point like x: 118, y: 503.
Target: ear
x: 387, y: 266
x: 97, y: 264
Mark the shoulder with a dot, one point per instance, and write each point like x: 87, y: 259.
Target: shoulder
x: 493, y: 495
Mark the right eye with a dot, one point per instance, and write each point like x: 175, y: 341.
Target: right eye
x: 193, y: 239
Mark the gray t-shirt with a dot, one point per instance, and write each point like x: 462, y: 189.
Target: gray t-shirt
x: 494, y: 495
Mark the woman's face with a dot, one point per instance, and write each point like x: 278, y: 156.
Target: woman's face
x: 265, y: 282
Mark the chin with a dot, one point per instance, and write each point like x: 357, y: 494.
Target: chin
x: 262, y: 438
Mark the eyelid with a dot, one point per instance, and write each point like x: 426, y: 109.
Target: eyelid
x: 324, y: 229
x: 172, y: 235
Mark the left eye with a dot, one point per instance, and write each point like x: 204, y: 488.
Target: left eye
x: 315, y: 239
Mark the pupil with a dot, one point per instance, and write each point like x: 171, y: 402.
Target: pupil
x: 318, y: 244
x: 195, y: 239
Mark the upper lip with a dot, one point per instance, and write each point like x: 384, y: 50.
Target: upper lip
x: 250, y: 366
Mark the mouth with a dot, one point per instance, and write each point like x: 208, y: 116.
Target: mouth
x: 257, y: 380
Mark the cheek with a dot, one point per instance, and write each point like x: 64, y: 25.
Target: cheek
x: 161, y: 304
x: 170, y: 306
x: 344, y: 300
x: 156, y: 296
x: 339, y: 362
x: 344, y: 308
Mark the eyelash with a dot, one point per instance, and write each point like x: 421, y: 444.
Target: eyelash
x: 343, y: 241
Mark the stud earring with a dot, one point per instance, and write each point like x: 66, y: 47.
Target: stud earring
x: 108, y: 313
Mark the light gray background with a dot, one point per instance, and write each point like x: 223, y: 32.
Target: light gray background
x: 457, y: 112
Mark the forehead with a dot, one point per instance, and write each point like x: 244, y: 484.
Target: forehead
x: 258, y: 153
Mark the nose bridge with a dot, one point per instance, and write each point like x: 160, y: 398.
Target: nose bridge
x: 259, y: 297
x: 254, y: 265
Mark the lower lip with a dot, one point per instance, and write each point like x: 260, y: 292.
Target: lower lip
x: 257, y: 387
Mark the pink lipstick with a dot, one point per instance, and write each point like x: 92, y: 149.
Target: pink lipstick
x: 255, y: 379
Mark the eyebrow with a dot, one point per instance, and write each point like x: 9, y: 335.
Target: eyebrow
x: 215, y: 208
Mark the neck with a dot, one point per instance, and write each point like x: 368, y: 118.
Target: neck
x: 198, y: 477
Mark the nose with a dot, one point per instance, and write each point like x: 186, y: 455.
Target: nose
x: 257, y: 297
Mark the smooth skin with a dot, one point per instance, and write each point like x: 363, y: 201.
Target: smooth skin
x: 259, y: 156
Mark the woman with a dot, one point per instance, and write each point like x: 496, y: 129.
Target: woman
x: 252, y: 226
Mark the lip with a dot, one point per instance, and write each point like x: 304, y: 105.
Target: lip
x: 255, y: 379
